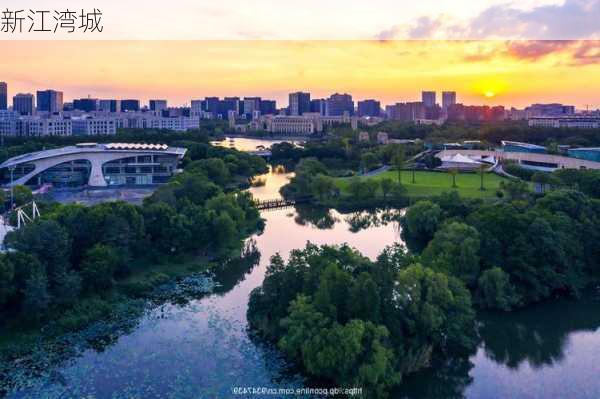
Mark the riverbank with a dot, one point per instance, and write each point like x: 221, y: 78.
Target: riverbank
x: 108, y: 319
x: 144, y: 277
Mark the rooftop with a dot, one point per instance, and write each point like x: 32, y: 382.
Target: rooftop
x: 585, y: 149
x: 526, y: 145
x: 92, y: 147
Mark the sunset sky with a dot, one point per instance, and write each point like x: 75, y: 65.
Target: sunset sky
x: 510, y: 73
x: 488, y: 51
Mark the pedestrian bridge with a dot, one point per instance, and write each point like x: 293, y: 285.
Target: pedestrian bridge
x: 261, y: 153
x: 278, y: 203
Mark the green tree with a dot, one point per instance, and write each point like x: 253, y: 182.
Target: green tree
x: 398, y: 161
x: 214, y: 168
x: 36, y: 296
x: 494, y: 290
x: 303, y: 323
x: 98, y: 267
x: 2, y: 201
x: 224, y: 232
x: 364, y: 299
x: 482, y: 169
x: 387, y: 185
x: 420, y: 223
x: 435, y: 308
x: 453, y: 172
x: 515, y: 189
x: 66, y: 287
x: 331, y: 298
x: 454, y: 249
x: 323, y: 186
x: 22, y: 195
x: 7, y: 283
x: 369, y: 161
x: 48, y: 241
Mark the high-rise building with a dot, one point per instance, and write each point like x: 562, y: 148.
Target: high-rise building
x: 406, y: 111
x: 86, y: 104
x: 428, y: 99
x: 50, y: 101
x: 3, y: 95
x: 24, y: 104
x: 130, y: 105
x: 211, y: 104
x: 549, y: 110
x: 337, y: 104
x: 230, y: 104
x: 251, y: 104
x: 318, y: 105
x: 476, y: 113
x: 268, y: 107
x: 196, y: 107
x: 299, y: 103
x: 158, y: 105
x: 448, y: 99
x: 369, y: 108
x: 109, y: 105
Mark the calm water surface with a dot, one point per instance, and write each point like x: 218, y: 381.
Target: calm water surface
x: 202, y: 349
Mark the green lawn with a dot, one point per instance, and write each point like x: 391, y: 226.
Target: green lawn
x: 434, y: 183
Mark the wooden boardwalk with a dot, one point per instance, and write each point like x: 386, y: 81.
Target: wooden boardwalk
x: 278, y: 203
x: 273, y: 204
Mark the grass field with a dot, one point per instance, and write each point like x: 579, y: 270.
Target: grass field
x: 434, y: 183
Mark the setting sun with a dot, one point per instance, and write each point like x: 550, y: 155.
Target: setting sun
x: 489, y: 94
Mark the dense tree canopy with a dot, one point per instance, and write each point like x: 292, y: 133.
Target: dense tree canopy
x: 358, y: 322
x: 511, y: 252
x: 76, y: 250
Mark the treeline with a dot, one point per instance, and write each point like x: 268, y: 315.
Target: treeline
x: 510, y: 253
x: 342, y: 154
x: 312, y: 180
x: 360, y: 323
x: 490, y: 132
x: 356, y: 322
x: 76, y: 251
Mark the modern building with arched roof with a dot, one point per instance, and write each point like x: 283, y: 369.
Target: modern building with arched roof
x: 94, y: 165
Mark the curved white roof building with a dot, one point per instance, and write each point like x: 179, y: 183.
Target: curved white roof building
x: 96, y: 165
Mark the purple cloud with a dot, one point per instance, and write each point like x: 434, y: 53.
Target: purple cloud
x: 572, y: 20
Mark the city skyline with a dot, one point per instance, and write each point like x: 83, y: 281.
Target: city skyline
x: 513, y: 74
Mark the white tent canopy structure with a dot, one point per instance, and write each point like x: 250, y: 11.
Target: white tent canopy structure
x: 459, y: 161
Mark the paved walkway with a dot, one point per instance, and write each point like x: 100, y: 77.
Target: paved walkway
x: 375, y: 172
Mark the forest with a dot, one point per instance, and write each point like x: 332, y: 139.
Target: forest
x: 77, y: 252
x: 354, y: 322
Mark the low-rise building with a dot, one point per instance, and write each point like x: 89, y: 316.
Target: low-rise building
x: 44, y: 126
x: 95, y: 165
x: 363, y: 136
x: 590, y: 153
x: 515, y: 146
x: 290, y: 124
x: 94, y: 126
x: 382, y: 138
x: 573, y: 121
x: 8, y: 123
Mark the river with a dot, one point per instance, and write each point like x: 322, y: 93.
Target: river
x: 202, y: 349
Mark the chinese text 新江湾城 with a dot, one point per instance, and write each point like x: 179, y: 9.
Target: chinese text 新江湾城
x: 51, y: 21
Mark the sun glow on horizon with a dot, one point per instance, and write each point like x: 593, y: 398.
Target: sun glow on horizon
x: 391, y: 71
